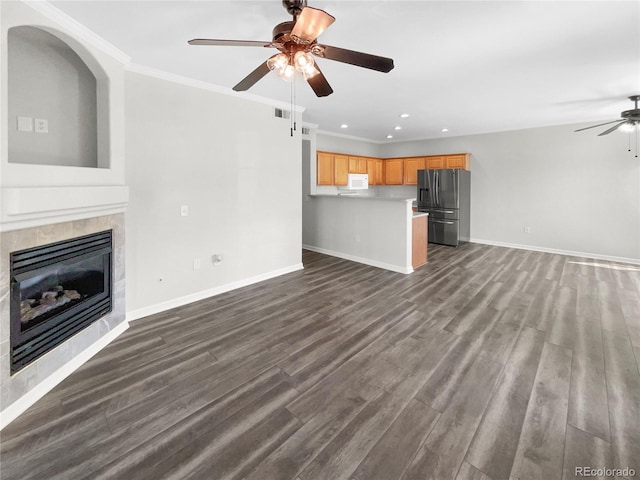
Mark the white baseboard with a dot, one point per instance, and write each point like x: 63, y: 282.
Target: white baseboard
x: 633, y: 261
x: 366, y: 261
x: 18, y: 407
x: 194, y: 297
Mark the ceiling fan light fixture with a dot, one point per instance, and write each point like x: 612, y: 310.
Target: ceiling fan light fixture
x: 305, y: 64
x: 310, y: 72
x: 278, y: 62
x: 287, y: 73
x: 629, y: 126
x: 302, y: 59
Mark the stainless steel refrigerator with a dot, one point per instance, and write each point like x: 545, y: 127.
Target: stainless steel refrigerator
x: 446, y: 196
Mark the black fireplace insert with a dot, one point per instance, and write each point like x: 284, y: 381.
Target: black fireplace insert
x: 56, y: 291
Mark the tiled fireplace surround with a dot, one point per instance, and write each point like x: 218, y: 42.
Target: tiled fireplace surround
x: 35, y: 379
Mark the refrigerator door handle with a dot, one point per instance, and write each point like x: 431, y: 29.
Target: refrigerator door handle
x: 436, y: 180
x: 443, y: 221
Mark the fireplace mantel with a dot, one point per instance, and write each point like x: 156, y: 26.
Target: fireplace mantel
x: 25, y: 207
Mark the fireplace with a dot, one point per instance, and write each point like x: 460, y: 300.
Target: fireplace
x: 56, y: 291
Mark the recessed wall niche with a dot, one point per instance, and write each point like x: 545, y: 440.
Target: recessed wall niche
x: 57, y: 105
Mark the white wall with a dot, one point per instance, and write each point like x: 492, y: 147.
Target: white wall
x: 346, y: 144
x: 373, y: 231
x: 576, y: 191
x: 236, y: 167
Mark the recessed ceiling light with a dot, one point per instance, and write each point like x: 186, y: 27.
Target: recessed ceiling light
x: 444, y: 130
x: 404, y: 115
x: 397, y: 127
x: 389, y: 136
x: 344, y: 125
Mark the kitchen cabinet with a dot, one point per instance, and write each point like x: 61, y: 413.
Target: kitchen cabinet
x: 340, y: 169
x: 458, y: 160
x: 434, y: 162
x: 379, y: 171
x: 357, y: 165
x: 411, y: 167
x: 375, y: 170
x: 324, y: 168
x: 371, y: 171
x: 394, y: 171
x: 333, y: 168
x: 419, y: 236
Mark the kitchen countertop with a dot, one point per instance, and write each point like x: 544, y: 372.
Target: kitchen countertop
x: 364, y: 197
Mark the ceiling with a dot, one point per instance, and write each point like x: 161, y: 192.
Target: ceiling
x: 471, y: 67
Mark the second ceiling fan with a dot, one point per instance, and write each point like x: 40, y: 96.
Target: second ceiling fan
x: 297, y: 42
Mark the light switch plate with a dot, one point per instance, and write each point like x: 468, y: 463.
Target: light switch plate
x: 42, y: 125
x: 25, y: 124
x: 184, y: 210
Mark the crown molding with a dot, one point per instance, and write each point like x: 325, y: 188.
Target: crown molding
x: 212, y: 87
x: 350, y: 137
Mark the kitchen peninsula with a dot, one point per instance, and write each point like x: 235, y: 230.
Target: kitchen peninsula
x: 374, y: 230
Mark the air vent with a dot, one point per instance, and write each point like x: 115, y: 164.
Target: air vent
x: 306, y: 130
x: 280, y: 113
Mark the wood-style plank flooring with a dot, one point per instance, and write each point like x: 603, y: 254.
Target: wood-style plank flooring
x: 486, y: 363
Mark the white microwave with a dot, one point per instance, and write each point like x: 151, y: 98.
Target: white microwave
x: 357, y: 181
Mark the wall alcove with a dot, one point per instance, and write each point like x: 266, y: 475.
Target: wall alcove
x: 57, y: 103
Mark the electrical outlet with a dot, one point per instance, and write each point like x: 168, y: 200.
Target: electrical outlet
x: 196, y: 264
x: 42, y: 125
x: 527, y: 229
x: 184, y: 210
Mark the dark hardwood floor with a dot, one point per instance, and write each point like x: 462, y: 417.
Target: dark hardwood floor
x: 486, y: 363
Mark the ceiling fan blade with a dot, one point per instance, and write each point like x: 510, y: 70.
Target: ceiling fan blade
x: 366, y: 60
x: 319, y: 84
x: 229, y: 43
x: 612, y: 129
x: 599, y: 125
x: 250, y: 80
x: 310, y: 24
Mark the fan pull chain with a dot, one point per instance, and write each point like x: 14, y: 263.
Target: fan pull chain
x: 293, y: 104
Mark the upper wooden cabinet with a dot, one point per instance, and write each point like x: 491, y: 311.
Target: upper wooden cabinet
x: 333, y: 168
x: 357, y: 165
x: 458, y: 160
x: 394, y: 171
x: 411, y: 167
x: 324, y: 167
x: 375, y: 170
x: 341, y: 169
x: 434, y: 162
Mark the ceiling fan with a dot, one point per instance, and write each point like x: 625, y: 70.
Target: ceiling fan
x: 297, y: 42
x: 630, y: 119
